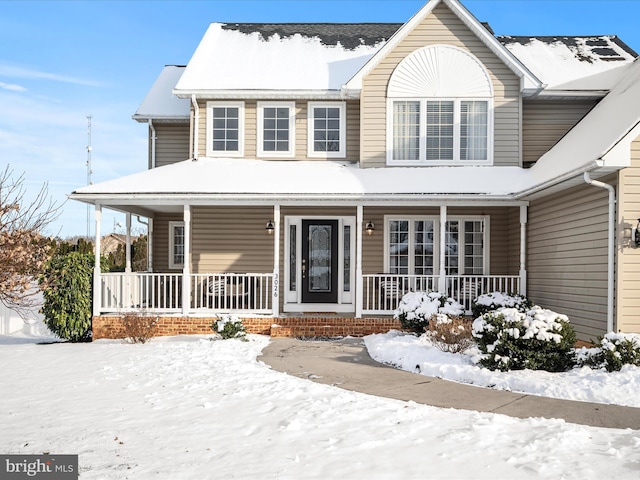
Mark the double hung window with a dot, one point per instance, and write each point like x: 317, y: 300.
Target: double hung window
x: 326, y: 130
x: 276, y: 129
x: 225, y: 129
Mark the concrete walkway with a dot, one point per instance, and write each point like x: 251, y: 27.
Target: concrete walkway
x: 345, y: 363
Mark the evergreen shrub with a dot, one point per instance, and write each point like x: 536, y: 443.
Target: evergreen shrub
x: 512, y: 340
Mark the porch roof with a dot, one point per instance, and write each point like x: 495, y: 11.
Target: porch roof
x: 321, y: 180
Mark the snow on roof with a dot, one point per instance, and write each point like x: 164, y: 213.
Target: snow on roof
x: 572, y: 63
x: 319, y: 179
x: 609, y: 122
x: 160, y: 103
x: 281, y: 56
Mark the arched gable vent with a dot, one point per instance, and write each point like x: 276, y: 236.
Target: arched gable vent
x: 440, y: 71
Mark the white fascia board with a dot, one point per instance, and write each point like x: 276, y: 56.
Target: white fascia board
x: 261, y: 94
x: 529, y: 80
x: 146, y: 118
x: 297, y: 199
x: 570, y: 94
x: 619, y: 155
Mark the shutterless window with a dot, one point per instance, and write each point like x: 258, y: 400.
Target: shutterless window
x: 176, y: 244
x: 226, y: 124
x: 327, y: 130
x: 428, y: 131
x: 275, y: 129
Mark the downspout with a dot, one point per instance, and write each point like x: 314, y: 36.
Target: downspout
x: 611, y: 245
x: 196, y: 125
x: 153, y: 143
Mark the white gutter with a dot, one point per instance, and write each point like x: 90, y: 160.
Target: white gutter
x: 153, y: 143
x: 611, y: 244
x: 196, y: 125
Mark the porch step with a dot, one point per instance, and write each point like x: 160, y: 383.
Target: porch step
x: 331, y: 326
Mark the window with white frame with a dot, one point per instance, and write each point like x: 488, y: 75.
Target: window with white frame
x: 440, y: 109
x: 412, y: 246
x: 225, y: 129
x: 276, y: 129
x: 327, y: 129
x: 176, y: 244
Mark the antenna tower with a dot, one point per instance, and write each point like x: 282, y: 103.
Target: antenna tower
x: 89, y: 172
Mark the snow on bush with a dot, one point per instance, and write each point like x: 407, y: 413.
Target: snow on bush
x: 614, y: 351
x: 451, y: 335
x: 538, y: 339
x: 495, y: 300
x: 417, y: 308
x: 229, y: 326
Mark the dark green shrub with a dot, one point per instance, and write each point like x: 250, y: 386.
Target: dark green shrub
x: 492, y: 301
x: 417, y: 308
x: 538, y: 340
x: 613, y: 351
x: 229, y: 326
x: 68, y: 294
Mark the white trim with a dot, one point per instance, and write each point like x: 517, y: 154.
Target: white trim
x: 291, y: 151
x: 172, y: 226
x: 342, y: 152
x: 422, y: 161
x: 295, y: 297
x: 530, y: 81
x: 209, y: 130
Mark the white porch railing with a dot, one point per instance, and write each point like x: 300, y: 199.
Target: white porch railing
x: 382, y: 292
x: 210, y: 293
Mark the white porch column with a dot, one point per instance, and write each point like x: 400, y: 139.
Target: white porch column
x: 359, y: 282
x: 523, y: 250
x: 127, y: 267
x: 186, y: 269
x: 276, y: 260
x: 150, y: 245
x: 442, y: 282
x: 97, y: 290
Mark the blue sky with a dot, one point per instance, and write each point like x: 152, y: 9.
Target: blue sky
x: 63, y: 60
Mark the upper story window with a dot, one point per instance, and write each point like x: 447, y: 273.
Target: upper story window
x: 225, y: 129
x: 327, y: 130
x: 440, y: 109
x: 276, y: 129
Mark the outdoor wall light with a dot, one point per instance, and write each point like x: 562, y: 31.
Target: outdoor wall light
x: 270, y: 227
x: 370, y: 227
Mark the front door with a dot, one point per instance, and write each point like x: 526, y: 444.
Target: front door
x: 320, y: 261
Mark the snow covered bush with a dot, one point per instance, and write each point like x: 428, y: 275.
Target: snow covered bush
x: 512, y: 340
x: 495, y: 300
x: 451, y: 335
x: 417, y: 308
x: 614, y: 351
x: 229, y: 326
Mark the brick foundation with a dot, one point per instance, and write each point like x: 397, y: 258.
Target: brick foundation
x: 111, y: 326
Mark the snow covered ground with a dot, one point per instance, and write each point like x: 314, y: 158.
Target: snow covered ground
x: 191, y: 408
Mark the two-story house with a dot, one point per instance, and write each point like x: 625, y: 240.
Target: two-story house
x: 306, y: 176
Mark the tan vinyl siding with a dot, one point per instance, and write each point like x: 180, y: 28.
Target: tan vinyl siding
x: 161, y: 240
x: 546, y: 122
x: 301, y: 137
x: 628, y: 274
x: 442, y: 27
x: 231, y: 240
x: 567, y: 256
x: 172, y: 143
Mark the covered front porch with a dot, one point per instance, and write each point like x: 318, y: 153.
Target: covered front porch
x: 288, y: 260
